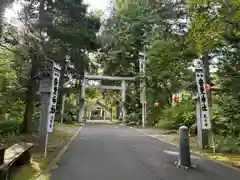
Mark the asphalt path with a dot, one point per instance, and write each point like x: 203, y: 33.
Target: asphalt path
x: 116, y: 152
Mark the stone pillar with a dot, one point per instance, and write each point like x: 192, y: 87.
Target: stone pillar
x: 101, y: 113
x: 90, y: 113
x: 104, y: 115
x: 124, y: 110
x: 81, y: 101
x: 184, y: 150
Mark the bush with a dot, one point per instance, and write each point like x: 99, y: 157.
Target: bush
x: 166, y: 125
x: 175, y: 116
x: 134, y: 118
x: 9, y: 127
x: 227, y: 144
x: 226, y: 116
x: 153, y: 115
x: 16, y: 109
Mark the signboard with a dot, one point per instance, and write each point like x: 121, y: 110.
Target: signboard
x: 205, y: 117
x: 142, y: 67
x: 53, y: 97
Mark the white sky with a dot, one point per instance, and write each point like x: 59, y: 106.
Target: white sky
x: 12, y: 12
x: 97, y: 4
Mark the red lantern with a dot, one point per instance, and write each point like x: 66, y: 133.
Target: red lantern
x: 175, y: 98
x: 156, y: 104
x: 145, y: 102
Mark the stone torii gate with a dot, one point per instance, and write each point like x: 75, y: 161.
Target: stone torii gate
x: 123, y: 87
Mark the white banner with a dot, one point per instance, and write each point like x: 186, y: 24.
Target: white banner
x: 202, y: 93
x: 53, y: 97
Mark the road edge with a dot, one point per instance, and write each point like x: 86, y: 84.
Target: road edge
x: 60, y: 154
x: 197, y: 154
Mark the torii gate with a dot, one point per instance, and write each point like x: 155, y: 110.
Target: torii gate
x: 80, y: 115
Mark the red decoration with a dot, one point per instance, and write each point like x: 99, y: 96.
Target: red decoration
x: 175, y: 98
x: 207, y: 86
x: 145, y: 102
x: 213, y: 87
x: 156, y: 104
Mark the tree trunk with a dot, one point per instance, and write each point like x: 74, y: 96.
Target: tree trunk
x: 78, y: 86
x: 61, y: 91
x: 30, y: 96
x: 117, y: 110
x: 1, y: 17
x: 32, y: 84
x: 41, y: 13
x: 137, y: 82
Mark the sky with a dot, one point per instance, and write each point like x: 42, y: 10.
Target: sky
x: 12, y: 12
x: 97, y: 4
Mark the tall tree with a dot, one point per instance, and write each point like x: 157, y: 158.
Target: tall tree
x: 57, y: 30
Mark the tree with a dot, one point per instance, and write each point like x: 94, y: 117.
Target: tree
x: 152, y: 27
x: 4, y: 5
x: 49, y: 34
x: 229, y: 70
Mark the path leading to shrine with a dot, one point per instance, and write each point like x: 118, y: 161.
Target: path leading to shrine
x: 115, y: 152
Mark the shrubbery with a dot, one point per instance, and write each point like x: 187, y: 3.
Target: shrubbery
x: 227, y: 144
x: 175, y: 116
x: 134, y: 118
x: 9, y: 127
x: 15, y: 109
x: 226, y: 117
x: 224, y: 122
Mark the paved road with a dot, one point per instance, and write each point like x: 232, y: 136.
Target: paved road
x: 112, y: 152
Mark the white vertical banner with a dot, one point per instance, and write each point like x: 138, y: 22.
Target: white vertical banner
x: 202, y: 93
x: 53, y: 97
x: 142, y: 70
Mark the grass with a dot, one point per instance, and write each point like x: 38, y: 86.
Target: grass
x: 114, y: 121
x: 231, y: 159
x: 74, y: 125
x: 57, y: 140
x: 227, y: 158
x: 11, y: 139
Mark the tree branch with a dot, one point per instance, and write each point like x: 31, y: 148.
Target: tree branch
x: 7, y: 48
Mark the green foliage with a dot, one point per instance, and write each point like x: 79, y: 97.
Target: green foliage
x: 53, y: 31
x: 134, y: 118
x: 133, y: 27
x: 9, y: 127
x: 15, y: 108
x: 167, y: 69
x: 226, y: 116
x: 137, y: 26
x: 175, y: 116
x: 227, y: 144
x: 7, y: 74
